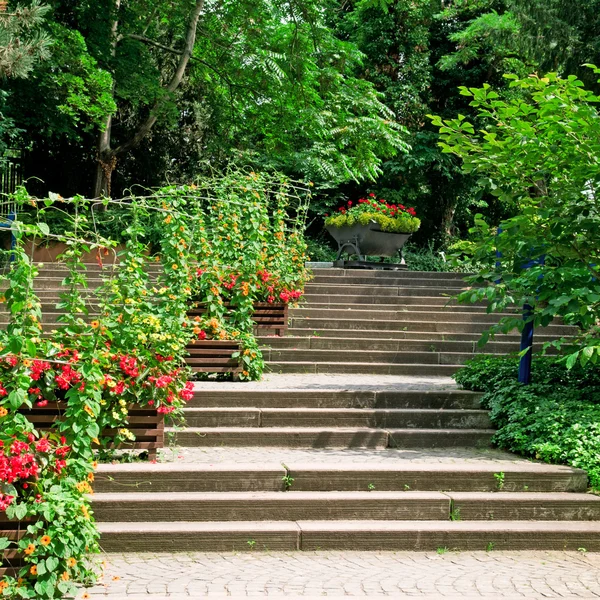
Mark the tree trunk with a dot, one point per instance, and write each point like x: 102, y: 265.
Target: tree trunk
x: 107, y: 158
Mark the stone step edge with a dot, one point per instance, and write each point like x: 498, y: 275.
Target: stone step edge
x: 340, y: 466
x: 375, y: 534
x: 335, y: 495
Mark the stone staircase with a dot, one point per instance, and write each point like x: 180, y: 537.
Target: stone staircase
x: 356, y: 440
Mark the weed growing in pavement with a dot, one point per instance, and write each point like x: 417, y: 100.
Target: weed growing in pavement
x: 489, y: 547
x: 499, y: 477
x: 442, y: 550
x: 371, y: 487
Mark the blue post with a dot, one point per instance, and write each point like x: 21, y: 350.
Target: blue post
x: 526, y: 344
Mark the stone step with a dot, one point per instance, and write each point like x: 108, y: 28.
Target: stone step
x: 389, y: 334
x: 331, y: 437
x: 381, y: 290
x: 341, y: 475
x: 127, y: 478
x: 378, y: 505
x: 336, y: 417
x: 405, y: 324
x: 389, y: 345
x: 285, y: 437
x: 380, y: 314
x: 441, y: 307
x: 405, y: 357
x: 227, y: 536
x: 530, y: 506
x: 427, y: 370
x: 349, y: 298
x: 399, y: 281
x: 440, y: 438
x: 378, y: 274
x: 310, y: 398
x: 270, y: 506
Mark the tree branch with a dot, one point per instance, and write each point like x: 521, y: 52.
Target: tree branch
x: 146, y: 126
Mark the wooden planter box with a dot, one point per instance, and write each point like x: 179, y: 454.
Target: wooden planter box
x: 214, y: 356
x: 11, y: 561
x: 145, y: 423
x: 268, y: 317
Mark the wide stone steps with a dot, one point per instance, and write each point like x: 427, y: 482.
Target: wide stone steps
x: 413, y: 282
x: 361, y: 334
x: 367, y: 368
x: 340, y: 475
x: 332, y: 437
x: 327, y: 399
x: 378, y: 276
x: 406, y: 357
x: 381, y: 314
x: 389, y: 345
x: 337, y: 417
x: 381, y: 290
x: 376, y: 505
x: 349, y: 535
x: 406, y: 324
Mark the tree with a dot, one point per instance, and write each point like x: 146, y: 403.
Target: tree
x: 22, y: 42
x: 540, y: 152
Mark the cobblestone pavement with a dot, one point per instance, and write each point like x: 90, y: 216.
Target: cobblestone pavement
x: 330, y: 381
x: 267, y: 455
x: 448, y: 575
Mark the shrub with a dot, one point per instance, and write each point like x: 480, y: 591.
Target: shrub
x: 556, y: 419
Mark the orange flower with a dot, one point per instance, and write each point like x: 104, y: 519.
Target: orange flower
x: 30, y: 549
x: 3, y: 412
x: 45, y: 540
x: 71, y: 562
x: 95, y: 324
x: 65, y: 576
x: 33, y: 570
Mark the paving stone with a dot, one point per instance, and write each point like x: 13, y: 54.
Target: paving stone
x: 424, y: 575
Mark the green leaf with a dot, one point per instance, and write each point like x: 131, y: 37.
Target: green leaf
x: 52, y: 563
x: 44, y: 228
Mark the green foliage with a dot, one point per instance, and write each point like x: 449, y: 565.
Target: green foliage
x: 22, y: 41
x: 424, y: 259
x: 538, y: 153
x: 556, y: 419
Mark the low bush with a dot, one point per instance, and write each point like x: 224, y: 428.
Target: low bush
x: 556, y: 419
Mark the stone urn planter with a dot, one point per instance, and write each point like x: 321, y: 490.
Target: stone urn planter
x: 366, y: 240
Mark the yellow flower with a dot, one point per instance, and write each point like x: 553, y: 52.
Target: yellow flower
x: 89, y: 411
x: 95, y: 324
x: 85, y: 511
x: 33, y: 570
x: 65, y: 576
x: 168, y: 219
x: 26, y: 363
x: 3, y: 412
x: 30, y: 549
x: 45, y: 540
x: 174, y: 266
x: 71, y: 562
x: 90, y: 477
